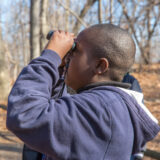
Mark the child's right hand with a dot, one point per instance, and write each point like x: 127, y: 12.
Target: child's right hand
x: 61, y: 42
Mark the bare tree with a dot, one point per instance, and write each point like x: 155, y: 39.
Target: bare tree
x: 110, y: 11
x: 140, y: 22
x: 43, y: 23
x: 67, y: 16
x: 34, y: 28
x: 78, y: 17
x: 4, y: 71
x: 100, y: 11
x: 87, y: 6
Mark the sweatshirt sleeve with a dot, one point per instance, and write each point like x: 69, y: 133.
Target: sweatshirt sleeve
x: 33, y: 113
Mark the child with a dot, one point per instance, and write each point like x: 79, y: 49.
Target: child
x: 101, y: 121
x: 133, y: 81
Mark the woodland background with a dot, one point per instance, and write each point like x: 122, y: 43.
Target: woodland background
x: 24, y: 25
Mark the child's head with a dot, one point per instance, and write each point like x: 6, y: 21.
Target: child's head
x: 104, y: 52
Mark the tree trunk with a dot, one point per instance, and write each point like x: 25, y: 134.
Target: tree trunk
x: 4, y: 71
x: 100, y: 11
x: 43, y: 25
x: 34, y: 29
x: 110, y: 10
x: 67, y: 16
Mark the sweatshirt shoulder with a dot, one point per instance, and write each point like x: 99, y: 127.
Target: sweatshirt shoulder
x: 98, y: 101
x: 91, y: 102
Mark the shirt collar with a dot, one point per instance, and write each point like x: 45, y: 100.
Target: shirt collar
x: 110, y: 83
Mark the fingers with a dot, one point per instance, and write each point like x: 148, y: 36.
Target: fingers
x: 66, y: 33
x: 61, y: 42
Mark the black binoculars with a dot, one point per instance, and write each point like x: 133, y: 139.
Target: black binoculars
x: 49, y: 35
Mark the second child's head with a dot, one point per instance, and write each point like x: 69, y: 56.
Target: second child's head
x: 104, y: 52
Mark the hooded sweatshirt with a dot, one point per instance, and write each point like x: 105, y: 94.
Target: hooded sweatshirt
x: 100, y: 122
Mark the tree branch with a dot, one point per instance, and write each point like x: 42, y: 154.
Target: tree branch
x: 83, y: 12
x: 72, y: 12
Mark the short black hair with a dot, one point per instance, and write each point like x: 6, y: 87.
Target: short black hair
x: 115, y: 44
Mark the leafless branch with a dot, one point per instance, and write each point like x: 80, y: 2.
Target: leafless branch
x: 87, y: 6
x: 72, y: 12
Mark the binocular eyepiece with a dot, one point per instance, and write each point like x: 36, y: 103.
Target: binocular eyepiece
x: 51, y: 32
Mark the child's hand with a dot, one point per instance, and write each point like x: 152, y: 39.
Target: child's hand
x: 61, y: 42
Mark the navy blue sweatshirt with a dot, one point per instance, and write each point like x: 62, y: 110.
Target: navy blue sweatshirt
x: 98, y: 123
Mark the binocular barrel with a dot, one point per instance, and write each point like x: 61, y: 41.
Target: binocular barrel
x: 49, y: 35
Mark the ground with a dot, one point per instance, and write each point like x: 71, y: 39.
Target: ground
x: 149, y: 78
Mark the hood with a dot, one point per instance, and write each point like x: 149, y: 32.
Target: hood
x: 145, y: 125
x: 139, y: 98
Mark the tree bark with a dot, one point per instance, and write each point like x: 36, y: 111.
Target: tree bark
x: 43, y: 23
x: 100, y: 11
x: 34, y: 29
x: 110, y: 10
x: 67, y: 16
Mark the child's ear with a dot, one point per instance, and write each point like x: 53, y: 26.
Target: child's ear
x: 102, y: 66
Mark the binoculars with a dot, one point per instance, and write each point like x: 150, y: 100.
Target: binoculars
x: 49, y: 35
